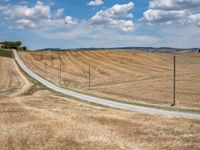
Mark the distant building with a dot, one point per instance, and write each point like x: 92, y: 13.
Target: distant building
x: 1, y: 45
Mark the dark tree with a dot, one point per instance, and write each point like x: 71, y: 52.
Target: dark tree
x: 24, y: 48
x: 18, y: 43
x: 11, y: 45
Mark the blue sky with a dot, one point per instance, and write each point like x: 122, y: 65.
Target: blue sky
x: 101, y: 23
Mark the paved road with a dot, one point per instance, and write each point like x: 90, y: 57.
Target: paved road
x: 102, y: 101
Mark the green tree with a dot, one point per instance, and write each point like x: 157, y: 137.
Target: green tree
x: 24, y: 48
x: 12, y: 45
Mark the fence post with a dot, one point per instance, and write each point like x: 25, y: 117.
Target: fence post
x: 45, y: 69
x: 89, y: 78
x: 174, y: 83
x: 59, y: 72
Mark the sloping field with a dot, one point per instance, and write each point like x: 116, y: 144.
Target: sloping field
x: 39, y: 119
x: 11, y: 82
x: 123, y: 75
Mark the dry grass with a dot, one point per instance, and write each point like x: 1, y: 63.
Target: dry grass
x: 124, y: 75
x: 45, y: 121
x: 10, y: 80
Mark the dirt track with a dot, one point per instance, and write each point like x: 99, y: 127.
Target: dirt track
x: 12, y: 81
x: 124, y: 75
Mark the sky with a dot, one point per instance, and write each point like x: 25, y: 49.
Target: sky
x: 101, y: 23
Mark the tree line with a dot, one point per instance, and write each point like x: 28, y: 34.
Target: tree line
x: 12, y: 45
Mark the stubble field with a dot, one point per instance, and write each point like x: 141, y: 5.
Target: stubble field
x: 39, y: 119
x: 131, y: 76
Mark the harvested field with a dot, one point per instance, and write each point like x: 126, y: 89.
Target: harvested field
x: 129, y: 76
x: 11, y: 81
x: 42, y: 120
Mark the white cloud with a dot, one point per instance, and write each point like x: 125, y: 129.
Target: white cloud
x: 195, y: 18
x: 163, y: 15
x: 39, y: 15
x: 23, y: 23
x: 118, y: 10
x: 173, y: 12
x: 109, y: 17
x: 38, y: 11
x: 95, y: 3
x: 59, y: 12
x: 174, y: 4
x: 122, y: 25
x: 70, y: 21
x: 6, y: 12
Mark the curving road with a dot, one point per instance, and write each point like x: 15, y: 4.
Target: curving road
x: 102, y: 101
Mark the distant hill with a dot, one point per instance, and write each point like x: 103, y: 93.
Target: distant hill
x: 150, y: 49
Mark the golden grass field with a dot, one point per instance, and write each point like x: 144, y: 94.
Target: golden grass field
x: 11, y: 80
x: 131, y: 76
x: 40, y: 119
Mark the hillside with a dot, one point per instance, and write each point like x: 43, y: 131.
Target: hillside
x: 11, y: 82
x: 40, y: 119
x: 129, y: 76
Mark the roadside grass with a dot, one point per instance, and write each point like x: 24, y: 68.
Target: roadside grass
x: 6, y: 53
